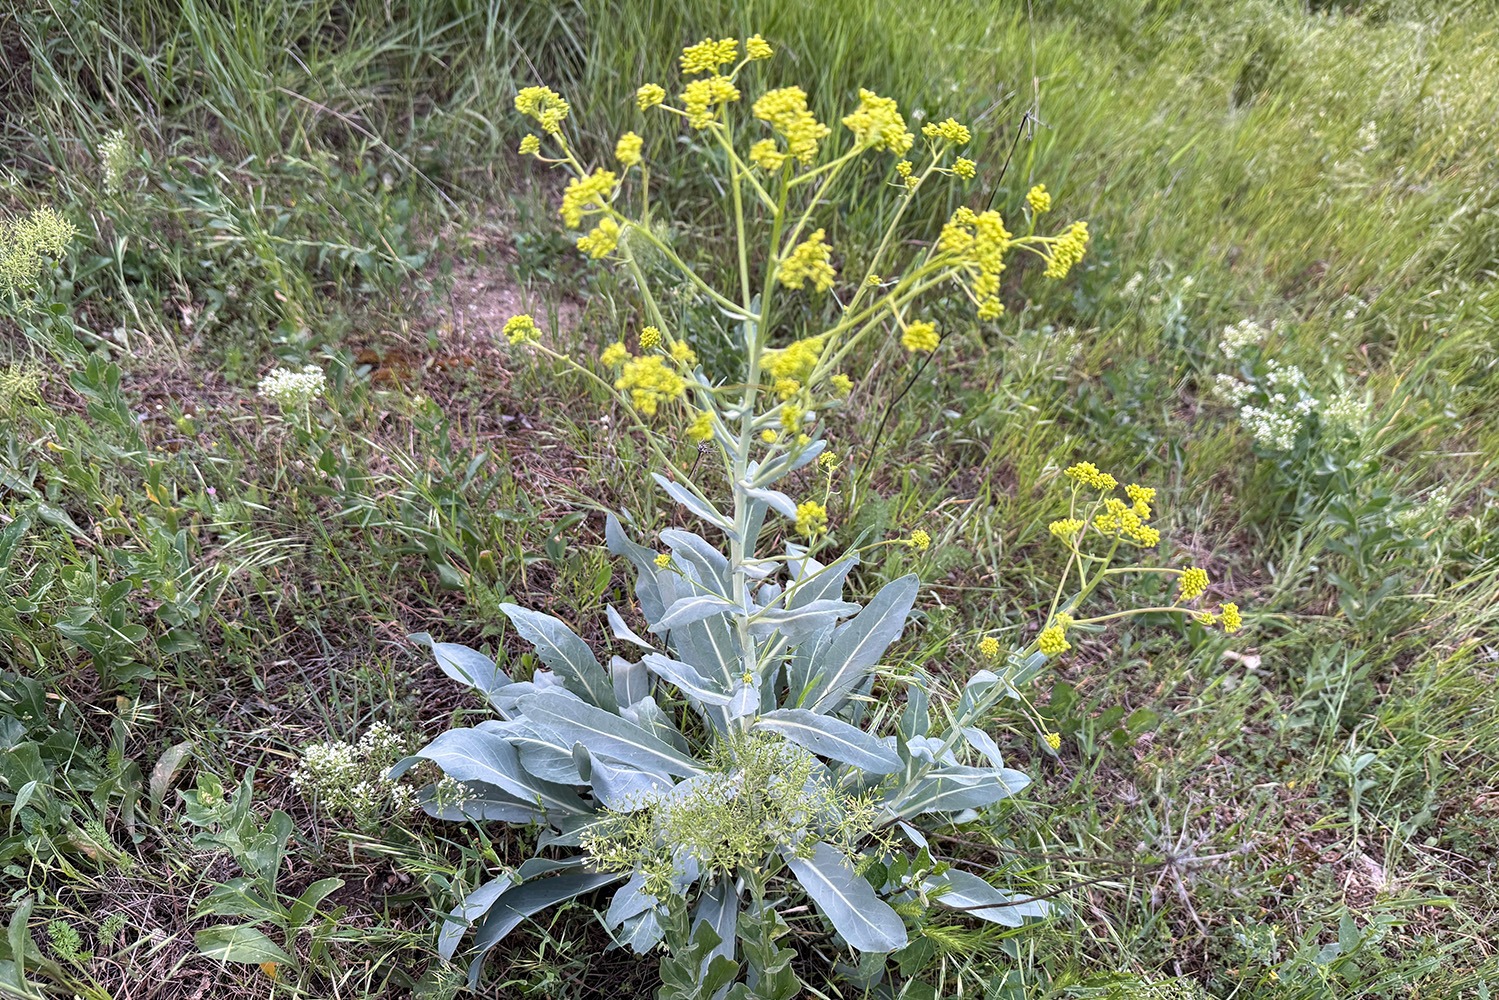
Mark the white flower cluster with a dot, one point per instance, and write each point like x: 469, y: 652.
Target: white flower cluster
x: 114, y: 159
x: 1274, y: 413
x: 1347, y: 412
x: 292, y: 389
x: 353, y: 777
x: 1426, y: 515
x: 1242, y: 335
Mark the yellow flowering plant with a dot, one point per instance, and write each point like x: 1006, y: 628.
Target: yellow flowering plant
x: 776, y: 782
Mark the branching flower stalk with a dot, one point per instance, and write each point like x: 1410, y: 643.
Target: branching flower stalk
x: 779, y: 183
x: 761, y: 773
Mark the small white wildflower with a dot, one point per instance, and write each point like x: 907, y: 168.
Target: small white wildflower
x: 1242, y: 335
x: 1231, y: 390
x: 114, y: 160
x: 1133, y: 284
x: 293, y: 389
x: 1368, y: 137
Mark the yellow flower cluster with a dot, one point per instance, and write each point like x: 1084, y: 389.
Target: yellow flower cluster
x: 700, y: 97
x: 520, y: 329
x: 1067, y: 250
x: 584, y: 195
x: 1066, y: 527
x: 828, y: 462
x: 811, y: 518
x: 1143, y: 497
x: 1232, y: 620
x: 530, y: 145
x: 601, y: 240
x: 650, y: 381
x: 766, y: 155
x: 965, y: 168
x: 842, y: 384
x: 1039, y: 199
x: 791, y: 417
x: 1054, y: 740
x: 1119, y: 518
x: 989, y: 647
x: 877, y: 124
x: 701, y: 428
x: 706, y: 56
x: 977, y: 241
x: 796, y: 360
x: 950, y: 130
x: 614, y: 355
x: 920, y: 337
x: 757, y: 48
x: 663, y: 559
x: 627, y: 149
x: 920, y: 540
x: 1087, y: 473
x: 1193, y: 582
x: 545, y: 105
x: 649, y: 95
x: 786, y: 111
x: 650, y: 338
x: 1053, y: 641
x: 808, y: 261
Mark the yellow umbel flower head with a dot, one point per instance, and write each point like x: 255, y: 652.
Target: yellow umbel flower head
x: 991, y: 309
x: 1054, y: 740
x: 964, y: 168
x: 650, y: 338
x: 1232, y: 621
x: 766, y: 155
x: 950, y: 130
x: 700, y: 97
x: 545, y: 105
x: 989, y: 647
x: 627, y: 149
x: 769, y: 436
x: 701, y: 428
x: 920, y: 338
x: 521, y: 329
x: 920, y: 540
x: 602, y: 239
x: 1067, y: 250
x: 663, y: 559
x: 1053, y: 641
x: 757, y: 48
x: 706, y: 56
x: 842, y: 384
x: 614, y: 355
x: 1143, y: 496
x: 811, y: 518
x: 683, y: 354
x: 1087, y: 473
x: 796, y: 360
x: 808, y: 261
x: 649, y: 95
x: 1067, y: 527
x: 1039, y: 199
x: 877, y: 124
x: 827, y: 462
x: 650, y: 381
x: 786, y: 111
x: 586, y: 195
x: 1194, y: 582
x: 530, y: 145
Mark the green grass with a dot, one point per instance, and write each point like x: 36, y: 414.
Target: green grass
x: 334, y: 182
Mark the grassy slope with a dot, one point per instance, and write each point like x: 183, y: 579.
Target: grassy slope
x: 290, y: 207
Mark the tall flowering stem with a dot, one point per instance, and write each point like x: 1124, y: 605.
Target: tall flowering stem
x: 783, y: 169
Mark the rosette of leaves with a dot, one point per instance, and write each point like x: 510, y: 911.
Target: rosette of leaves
x: 670, y: 771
